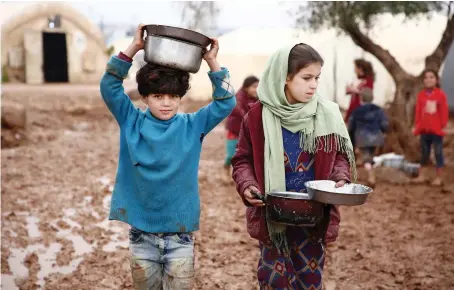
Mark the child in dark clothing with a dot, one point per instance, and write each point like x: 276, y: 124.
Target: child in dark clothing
x: 367, y: 124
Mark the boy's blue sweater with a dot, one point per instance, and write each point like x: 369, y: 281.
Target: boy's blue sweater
x: 156, y: 188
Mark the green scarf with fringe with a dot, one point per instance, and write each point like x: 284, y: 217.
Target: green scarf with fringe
x: 317, y: 121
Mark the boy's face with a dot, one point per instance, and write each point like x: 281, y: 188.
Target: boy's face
x: 302, y: 86
x: 162, y: 106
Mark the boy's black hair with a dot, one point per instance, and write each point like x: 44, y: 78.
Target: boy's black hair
x: 155, y: 79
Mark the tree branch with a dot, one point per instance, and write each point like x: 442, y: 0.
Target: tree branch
x: 384, y: 56
x: 437, y: 57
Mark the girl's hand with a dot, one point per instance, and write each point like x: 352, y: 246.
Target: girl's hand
x: 251, y: 198
x: 137, y: 43
x: 340, y: 183
x: 211, y: 54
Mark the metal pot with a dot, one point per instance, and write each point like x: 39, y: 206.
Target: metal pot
x: 178, y: 33
x: 325, y: 191
x: 173, y: 53
x: 292, y: 208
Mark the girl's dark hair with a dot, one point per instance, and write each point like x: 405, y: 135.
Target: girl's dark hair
x: 300, y: 57
x: 435, y: 74
x: 249, y: 81
x: 366, y: 67
x: 155, y: 79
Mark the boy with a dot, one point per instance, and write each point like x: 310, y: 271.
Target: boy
x: 156, y: 189
x: 367, y: 124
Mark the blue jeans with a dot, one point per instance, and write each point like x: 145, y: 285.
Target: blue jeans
x: 426, y: 143
x: 161, y: 261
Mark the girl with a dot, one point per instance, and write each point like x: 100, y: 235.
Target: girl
x: 289, y: 137
x: 431, y: 117
x: 245, y: 96
x: 365, y: 73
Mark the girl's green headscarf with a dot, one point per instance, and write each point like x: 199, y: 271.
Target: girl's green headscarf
x: 317, y: 121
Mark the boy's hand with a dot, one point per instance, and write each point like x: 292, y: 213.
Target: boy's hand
x: 138, y: 43
x: 210, y: 56
x: 252, y: 198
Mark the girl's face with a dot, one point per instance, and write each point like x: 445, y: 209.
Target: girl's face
x: 302, y: 86
x: 430, y: 80
x: 252, y: 90
x: 359, y: 72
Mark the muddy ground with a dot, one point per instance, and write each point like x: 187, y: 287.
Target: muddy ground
x: 56, y: 192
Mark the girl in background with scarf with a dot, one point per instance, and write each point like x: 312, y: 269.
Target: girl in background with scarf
x: 291, y: 136
x: 244, y: 97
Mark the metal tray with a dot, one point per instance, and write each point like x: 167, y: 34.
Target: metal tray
x: 350, y: 194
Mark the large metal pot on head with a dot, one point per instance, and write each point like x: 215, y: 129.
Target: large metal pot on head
x: 175, y: 47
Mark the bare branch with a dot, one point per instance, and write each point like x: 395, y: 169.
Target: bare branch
x: 384, y: 56
x: 435, y: 59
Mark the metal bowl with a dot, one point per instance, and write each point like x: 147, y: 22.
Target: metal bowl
x: 173, y: 53
x: 178, y: 33
x: 350, y: 194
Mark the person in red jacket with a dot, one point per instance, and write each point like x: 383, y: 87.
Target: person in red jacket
x: 245, y: 96
x: 291, y: 136
x: 431, y: 117
x: 366, y: 75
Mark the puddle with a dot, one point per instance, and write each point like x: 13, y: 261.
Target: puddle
x: 71, y: 223
x: 69, y: 212
x: 46, y: 258
x: 13, y: 233
x: 81, y: 246
x: 104, y: 180
x: 106, y: 202
x: 8, y: 282
x: 112, y: 246
x: 32, y: 227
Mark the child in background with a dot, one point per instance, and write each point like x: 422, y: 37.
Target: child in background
x: 365, y: 73
x: 367, y: 124
x: 431, y: 117
x: 245, y: 96
x: 156, y: 189
x: 291, y: 136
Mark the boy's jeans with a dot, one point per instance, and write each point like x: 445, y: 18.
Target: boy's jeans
x: 426, y: 143
x: 161, y: 261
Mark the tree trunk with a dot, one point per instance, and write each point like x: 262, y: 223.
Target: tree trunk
x: 401, y: 114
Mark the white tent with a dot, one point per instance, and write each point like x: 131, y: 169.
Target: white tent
x: 245, y: 51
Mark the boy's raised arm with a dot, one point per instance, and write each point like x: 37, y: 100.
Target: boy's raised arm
x: 112, y: 90
x: 223, y: 92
